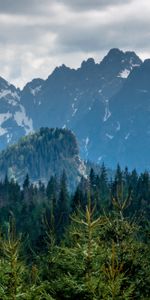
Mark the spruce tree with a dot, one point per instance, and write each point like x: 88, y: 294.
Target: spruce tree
x: 62, y: 216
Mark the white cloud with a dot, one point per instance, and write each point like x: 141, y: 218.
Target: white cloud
x: 36, y: 36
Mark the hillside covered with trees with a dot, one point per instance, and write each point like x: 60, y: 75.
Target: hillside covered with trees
x: 43, y: 154
x: 92, y: 244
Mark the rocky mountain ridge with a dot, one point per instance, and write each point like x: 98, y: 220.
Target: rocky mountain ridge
x: 106, y: 105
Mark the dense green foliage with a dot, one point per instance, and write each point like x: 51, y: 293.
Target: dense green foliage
x: 94, y: 244
x: 42, y: 154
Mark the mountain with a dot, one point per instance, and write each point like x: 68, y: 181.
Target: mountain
x: 43, y: 154
x: 14, y: 121
x: 69, y: 95
x: 79, y: 99
x: 128, y: 128
x: 105, y: 104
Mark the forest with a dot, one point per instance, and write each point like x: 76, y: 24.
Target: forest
x: 93, y: 243
x: 42, y: 154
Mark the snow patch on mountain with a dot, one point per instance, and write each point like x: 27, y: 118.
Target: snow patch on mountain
x: 74, y: 112
x: 3, y: 131
x: 142, y: 91
x: 22, y: 120
x: 36, y: 90
x: 82, y: 168
x: 109, y: 136
x: 9, y: 137
x: 87, y: 140
x: 6, y: 93
x: 75, y: 109
x: 127, y: 136
x: 133, y: 64
x: 124, y: 74
x: 3, y: 118
x: 100, y: 159
x: 107, y: 111
x: 118, y: 126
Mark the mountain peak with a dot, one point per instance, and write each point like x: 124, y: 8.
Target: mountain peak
x: 146, y: 63
x: 4, y: 83
x: 113, y: 57
x: 62, y: 68
x: 115, y: 52
x: 90, y: 62
x: 34, y: 83
x: 120, y: 64
x: 60, y: 71
x: 134, y: 58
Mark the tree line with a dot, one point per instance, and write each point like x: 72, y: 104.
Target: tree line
x: 91, y: 244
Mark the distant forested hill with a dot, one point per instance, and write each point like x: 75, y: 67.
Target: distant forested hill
x: 41, y: 155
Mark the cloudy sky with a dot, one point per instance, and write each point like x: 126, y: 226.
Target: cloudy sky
x: 38, y: 35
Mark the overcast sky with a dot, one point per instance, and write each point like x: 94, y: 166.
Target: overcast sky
x: 38, y: 35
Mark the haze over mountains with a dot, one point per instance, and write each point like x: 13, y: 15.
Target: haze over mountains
x: 106, y: 104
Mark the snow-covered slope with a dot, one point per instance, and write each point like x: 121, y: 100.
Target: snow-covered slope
x: 14, y: 121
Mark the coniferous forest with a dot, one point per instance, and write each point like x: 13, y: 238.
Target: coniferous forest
x: 93, y: 243
x: 74, y: 150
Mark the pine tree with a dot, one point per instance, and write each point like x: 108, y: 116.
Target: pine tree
x: 14, y: 269
x: 104, y: 189
x: 77, y: 260
x: 62, y: 216
x: 26, y: 183
x: 77, y: 200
